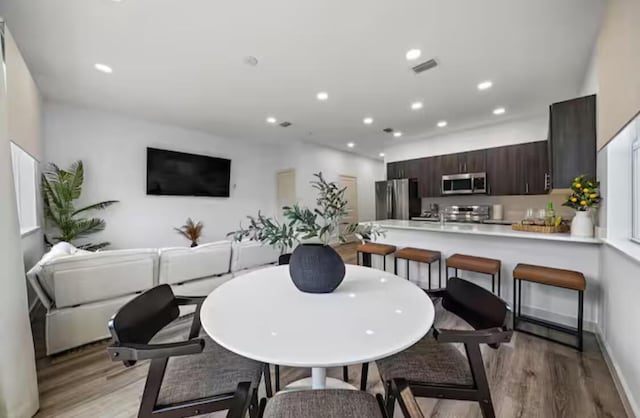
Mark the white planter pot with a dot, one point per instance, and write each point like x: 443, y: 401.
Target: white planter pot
x: 582, y: 225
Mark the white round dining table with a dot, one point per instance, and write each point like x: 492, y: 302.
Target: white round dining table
x: 261, y: 315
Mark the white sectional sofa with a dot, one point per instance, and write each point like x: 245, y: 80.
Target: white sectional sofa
x: 81, y: 291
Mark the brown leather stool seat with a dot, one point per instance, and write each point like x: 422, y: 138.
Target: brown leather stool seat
x: 478, y: 265
x: 373, y: 248
x: 567, y: 279
x: 550, y: 276
x: 376, y: 248
x: 420, y: 255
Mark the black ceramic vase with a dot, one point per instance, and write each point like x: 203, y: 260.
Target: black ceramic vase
x: 316, y: 268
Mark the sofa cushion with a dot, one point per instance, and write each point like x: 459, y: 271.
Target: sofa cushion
x: 78, y: 279
x: 248, y: 254
x: 72, y: 327
x: 178, y: 265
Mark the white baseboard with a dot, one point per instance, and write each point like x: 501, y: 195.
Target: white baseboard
x: 630, y: 405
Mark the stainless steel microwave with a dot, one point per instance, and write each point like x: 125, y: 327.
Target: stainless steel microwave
x: 468, y: 183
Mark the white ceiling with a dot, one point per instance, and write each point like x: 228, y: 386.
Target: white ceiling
x: 181, y: 61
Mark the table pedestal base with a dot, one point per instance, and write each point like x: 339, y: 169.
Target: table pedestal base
x: 319, y: 380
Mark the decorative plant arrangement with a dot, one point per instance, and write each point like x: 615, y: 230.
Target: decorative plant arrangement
x: 60, y: 189
x: 585, y: 194
x: 315, y: 267
x: 191, y: 231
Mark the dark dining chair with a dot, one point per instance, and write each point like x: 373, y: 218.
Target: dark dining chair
x: 185, y: 378
x: 330, y: 403
x: 434, y: 367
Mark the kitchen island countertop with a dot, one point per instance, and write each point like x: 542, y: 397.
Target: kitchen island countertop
x: 481, y: 229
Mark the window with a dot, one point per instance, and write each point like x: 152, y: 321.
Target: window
x: 24, y: 176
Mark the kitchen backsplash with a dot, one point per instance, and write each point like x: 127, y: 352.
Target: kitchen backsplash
x: 515, y: 207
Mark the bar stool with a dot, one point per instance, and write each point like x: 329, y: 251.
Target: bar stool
x: 477, y: 265
x: 419, y: 255
x: 373, y: 248
x: 567, y: 279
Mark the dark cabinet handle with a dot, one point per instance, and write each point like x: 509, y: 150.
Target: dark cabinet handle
x: 527, y: 187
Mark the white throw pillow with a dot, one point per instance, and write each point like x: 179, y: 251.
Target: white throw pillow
x: 61, y: 249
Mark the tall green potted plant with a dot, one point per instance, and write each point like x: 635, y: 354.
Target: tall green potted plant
x: 315, y: 267
x: 60, y: 189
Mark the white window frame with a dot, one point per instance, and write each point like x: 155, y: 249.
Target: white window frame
x: 25, y: 177
x: 635, y: 181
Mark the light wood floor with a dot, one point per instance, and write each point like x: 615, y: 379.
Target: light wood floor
x: 529, y: 377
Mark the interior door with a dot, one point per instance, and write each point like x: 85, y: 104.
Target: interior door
x: 350, y: 183
x: 285, y: 189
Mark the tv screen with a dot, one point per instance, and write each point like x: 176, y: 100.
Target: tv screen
x: 180, y: 174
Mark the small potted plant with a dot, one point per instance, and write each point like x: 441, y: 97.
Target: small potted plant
x: 191, y: 231
x: 585, y: 194
x: 315, y: 267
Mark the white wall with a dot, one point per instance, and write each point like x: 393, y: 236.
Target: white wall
x: 25, y: 129
x: 18, y: 382
x: 308, y: 159
x: 113, y: 149
x: 619, y: 325
x: 508, y: 133
x: 620, y: 264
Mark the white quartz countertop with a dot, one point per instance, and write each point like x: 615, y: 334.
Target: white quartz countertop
x: 480, y: 229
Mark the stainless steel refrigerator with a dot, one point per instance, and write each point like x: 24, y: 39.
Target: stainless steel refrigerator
x: 397, y: 199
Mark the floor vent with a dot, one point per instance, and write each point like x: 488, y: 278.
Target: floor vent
x: 285, y: 124
x: 387, y: 130
x: 427, y: 65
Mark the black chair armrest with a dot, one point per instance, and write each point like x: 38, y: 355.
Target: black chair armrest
x: 194, y: 332
x: 485, y: 336
x: 190, y: 300
x: 405, y: 398
x: 436, y: 293
x: 240, y: 402
x: 135, y: 352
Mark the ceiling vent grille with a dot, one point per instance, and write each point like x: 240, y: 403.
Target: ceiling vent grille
x: 387, y: 130
x: 427, y: 65
x: 285, y: 124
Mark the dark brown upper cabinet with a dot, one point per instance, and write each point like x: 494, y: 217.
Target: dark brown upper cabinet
x: 535, y: 160
x: 464, y: 162
x: 572, y: 140
x: 505, y: 173
x: 518, y: 169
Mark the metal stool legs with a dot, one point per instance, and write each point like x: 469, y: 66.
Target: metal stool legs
x: 518, y: 317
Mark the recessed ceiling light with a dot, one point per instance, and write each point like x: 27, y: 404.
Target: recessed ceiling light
x: 485, y: 85
x: 499, y: 110
x: 416, y: 105
x: 367, y: 121
x: 381, y: 154
x: 413, y: 54
x: 103, y: 68
x: 442, y: 124
x: 323, y: 95
x: 351, y: 145
x: 397, y: 134
x: 271, y: 119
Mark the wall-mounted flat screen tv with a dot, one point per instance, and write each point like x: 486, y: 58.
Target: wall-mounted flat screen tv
x: 179, y: 174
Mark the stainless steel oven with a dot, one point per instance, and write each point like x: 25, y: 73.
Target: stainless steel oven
x: 468, y: 183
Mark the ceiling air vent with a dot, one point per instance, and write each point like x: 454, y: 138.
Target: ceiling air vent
x: 427, y: 65
x: 387, y: 130
x: 285, y: 124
